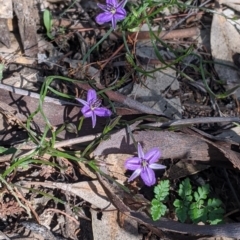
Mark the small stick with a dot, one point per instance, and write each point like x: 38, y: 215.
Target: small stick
x: 179, y: 33
x: 63, y: 213
x: 190, y: 121
x: 77, y: 140
x: 63, y: 143
x: 34, y: 95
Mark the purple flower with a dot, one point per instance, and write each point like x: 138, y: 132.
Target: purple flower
x: 143, y: 165
x: 92, y: 107
x: 113, y: 11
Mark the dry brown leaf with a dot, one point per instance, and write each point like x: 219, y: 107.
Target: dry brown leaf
x: 108, y: 227
x: 6, y: 10
x: 223, y: 147
x: 183, y: 169
x: 173, y: 145
x: 114, y: 165
x: 5, y: 34
x: 224, y: 44
x: 26, y: 15
x: 234, y: 4
x: 90, y: 191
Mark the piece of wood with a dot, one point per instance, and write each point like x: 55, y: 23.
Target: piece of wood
x: 221, y: 230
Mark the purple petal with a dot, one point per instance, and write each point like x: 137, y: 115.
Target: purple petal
x: 148, y: 176
x: 103, y: 7
x: 102, y: 112
x: 94, y: 120
x: 104, y: 17
x: 133, y: 163
x: 140, y: 151
x: 82, y: 101
x: 86, y: 111
x: 153, y: 155
x: 156, y: 166
x: 122, y: 4
x: 112, y: 3
x: 120, y: 14
x: 135, y: 174
x: 114, y: 23
x: 91, y: 95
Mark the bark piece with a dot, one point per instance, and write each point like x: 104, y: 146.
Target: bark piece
x: 5, y: 34
x: 26, y: 15
x: 225, y: 45
x: 173, y: 145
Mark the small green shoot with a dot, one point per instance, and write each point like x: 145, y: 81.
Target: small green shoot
x: 158, y: 208
x: 196, y: 206
x: 182, y: 206
x: 132, y: 21
x: 47, y: 21
x: 3, y: 149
